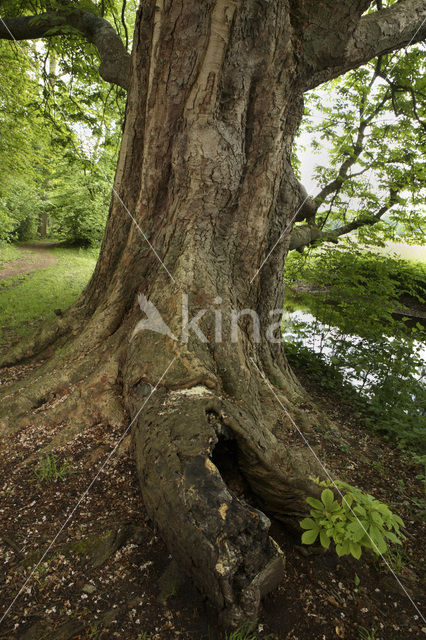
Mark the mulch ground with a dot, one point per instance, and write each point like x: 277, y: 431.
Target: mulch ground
x: 109, y: 575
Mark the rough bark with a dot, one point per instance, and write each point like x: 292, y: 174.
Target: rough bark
x: 337, y: 38
x: 205, y: 172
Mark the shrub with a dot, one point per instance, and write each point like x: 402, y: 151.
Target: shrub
x: 354, y: 522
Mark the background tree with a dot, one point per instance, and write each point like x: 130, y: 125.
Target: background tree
x: 24, y: 153
x: 61, y: 131
x: 215, y: 99
x: 373, y: 123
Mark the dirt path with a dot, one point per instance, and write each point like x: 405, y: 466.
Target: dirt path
x: 33, y: 257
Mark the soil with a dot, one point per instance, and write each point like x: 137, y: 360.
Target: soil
x: 34, y: 257
x: 108, y: 575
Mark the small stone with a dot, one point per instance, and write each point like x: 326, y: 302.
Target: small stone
x: 89, y: 588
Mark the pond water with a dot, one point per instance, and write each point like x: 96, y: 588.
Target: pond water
x: 362, y: 362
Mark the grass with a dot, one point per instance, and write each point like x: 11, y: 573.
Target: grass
x: 242, y: 633
x: 365, y: 634
x: 48, y: 468
x: 7, y: 253
x: 26, y: 300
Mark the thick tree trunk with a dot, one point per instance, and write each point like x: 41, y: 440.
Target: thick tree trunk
x: 204, y: 195
x: 205, y: 169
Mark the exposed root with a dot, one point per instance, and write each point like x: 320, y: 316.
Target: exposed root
x: 205, y: 508
x: 37, y: 343
x: 212, y: 466
x: 97, y: 549
x: 71, y: 389
x: 82, y: 327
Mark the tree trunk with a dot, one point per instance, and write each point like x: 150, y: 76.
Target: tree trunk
x: 206, y: 155
x: 42, y: 225
x: 204, y: 196
x: 205, y: 171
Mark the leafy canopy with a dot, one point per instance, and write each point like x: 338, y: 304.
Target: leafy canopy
x: 372, y: 121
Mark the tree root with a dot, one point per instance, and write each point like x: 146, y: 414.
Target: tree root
x: 83, y: 328
x: 218, y: 537
x: 36, y: 343
x: 217, y: 532
x: 71, y: 390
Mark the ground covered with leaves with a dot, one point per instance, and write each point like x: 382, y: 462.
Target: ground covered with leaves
x: 108, y: 575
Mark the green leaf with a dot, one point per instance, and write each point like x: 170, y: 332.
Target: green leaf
x: 313, y: 502
x: 324, y: 539
x: 347, y: 500
x: 392, y: 537
x: 342, y: 549
x: 308, y: 523
x: 376, y: 518
x: 327, y: 498
x: 355, y: 550
x: 398, y: 520
x: 356, y: 531
x: 383, y: 508
x: 309, y: 537
x: 380, y: 545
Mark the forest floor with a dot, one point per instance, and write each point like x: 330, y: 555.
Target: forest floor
x: 108, y: 574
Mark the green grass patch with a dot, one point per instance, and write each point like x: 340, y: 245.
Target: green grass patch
x: 48, y: 468
x: 26, y: 300
x: 8, y: 253
x: 245, y: 632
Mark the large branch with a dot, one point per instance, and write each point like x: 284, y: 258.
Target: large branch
x: 387, y: 30
x: 308, y: 234
x: 115, y: 61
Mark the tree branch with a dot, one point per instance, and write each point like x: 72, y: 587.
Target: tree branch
x: 305, y: 235
x: 115, y: 61
x: 381, y: 32
x: 357, y: 149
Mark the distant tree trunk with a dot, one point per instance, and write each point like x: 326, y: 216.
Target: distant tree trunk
x: 205, y: 171
x: 42, y: 227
